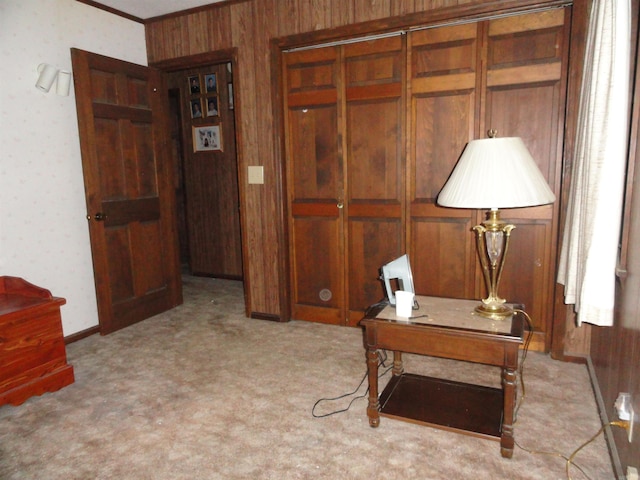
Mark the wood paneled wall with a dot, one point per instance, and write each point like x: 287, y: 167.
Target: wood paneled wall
x: 254, y: 28
x: 615, y: 351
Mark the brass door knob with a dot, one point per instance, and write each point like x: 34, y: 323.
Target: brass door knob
x: 98, y: 217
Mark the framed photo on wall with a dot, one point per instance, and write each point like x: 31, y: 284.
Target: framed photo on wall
x: 195, y: 106
x: 211, y: 83
x: 207, y: 138
x: 194, y: 84
x: 212, y: 107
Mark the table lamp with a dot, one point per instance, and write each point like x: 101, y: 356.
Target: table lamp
x: 495, y: 173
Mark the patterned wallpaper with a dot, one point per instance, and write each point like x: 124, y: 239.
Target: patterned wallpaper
x: 44, y: 236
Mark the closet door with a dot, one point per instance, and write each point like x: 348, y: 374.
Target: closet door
x: 374, y: 72
x: 506, y: 74
x: 315, y: 185
x: 444, y: 71
x: 345, y: 175
x: 525, y: 97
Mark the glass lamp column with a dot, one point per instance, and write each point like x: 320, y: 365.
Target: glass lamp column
x: 492, y: 242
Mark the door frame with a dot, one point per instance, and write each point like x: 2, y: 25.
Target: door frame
x: 203, y: 60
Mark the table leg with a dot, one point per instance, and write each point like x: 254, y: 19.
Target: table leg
x: 398, y: 368
x: 507, y: 440
x: 372, y: 368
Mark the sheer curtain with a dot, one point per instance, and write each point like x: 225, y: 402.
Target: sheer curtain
x: 592, y: 229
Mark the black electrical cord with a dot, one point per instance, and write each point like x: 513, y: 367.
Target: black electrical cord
x: 382, y: 358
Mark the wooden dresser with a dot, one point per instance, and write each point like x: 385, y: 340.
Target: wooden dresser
x: 33, y: 358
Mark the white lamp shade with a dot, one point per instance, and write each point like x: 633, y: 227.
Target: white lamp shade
x: 47, y: 76
x: 496, y: 173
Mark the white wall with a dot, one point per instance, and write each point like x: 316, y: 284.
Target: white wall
x: 44, y: 236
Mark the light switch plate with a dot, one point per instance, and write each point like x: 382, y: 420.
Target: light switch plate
x: 256, y: 174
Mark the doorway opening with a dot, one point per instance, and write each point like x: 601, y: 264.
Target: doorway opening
x: 203, y: 148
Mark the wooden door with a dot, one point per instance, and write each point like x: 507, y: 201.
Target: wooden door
x: 506, y: 74
x: 122, y: 117
x: 525, y: 96
x: 374, y: 73
x: 345, y: 175
x: 315, y: 181
x: 444, y: 71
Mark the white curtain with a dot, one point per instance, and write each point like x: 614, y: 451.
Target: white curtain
x: 592, y: 229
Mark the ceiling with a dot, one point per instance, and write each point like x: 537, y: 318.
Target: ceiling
x: 144, y: 9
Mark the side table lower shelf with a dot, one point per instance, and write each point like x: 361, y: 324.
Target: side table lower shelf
x: 455, y: 406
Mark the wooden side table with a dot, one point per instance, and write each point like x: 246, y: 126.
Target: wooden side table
x: 450, y: 330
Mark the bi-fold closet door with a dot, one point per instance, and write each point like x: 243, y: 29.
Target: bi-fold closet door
x: 507, y: 74
x: 345, y: 113
x: 373, y: 130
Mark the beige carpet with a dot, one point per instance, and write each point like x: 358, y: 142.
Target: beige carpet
x: 201, y: 392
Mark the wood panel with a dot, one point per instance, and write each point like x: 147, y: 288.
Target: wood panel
x: 508, y: 75
x: 316, y: 183
x: 345, y: 99
x: 374, y: 131
x: 525, y: 98
x: 615, y: 351
x: 443, y: 73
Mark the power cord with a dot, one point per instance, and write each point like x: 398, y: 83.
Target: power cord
x: 525, y: 350
x: 382, y: 358
x: 570, y: 459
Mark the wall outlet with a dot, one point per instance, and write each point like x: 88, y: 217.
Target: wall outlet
x: 632, y: 473
x: 624, y: 409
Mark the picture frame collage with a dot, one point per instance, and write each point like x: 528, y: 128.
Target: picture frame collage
x: 204, y: 104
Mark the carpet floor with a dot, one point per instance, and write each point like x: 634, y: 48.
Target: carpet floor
x: 202, y: 392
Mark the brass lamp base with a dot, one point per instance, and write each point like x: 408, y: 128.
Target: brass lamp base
x: 492, y: 242
x: 496, y: 311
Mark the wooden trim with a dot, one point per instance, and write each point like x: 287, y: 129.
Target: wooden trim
x: 439, y: 16
x: 327, y: 97
x: 74, y: 337
x: 578, y: 35
x: 528, y: 74
x: 634, y: 148
x: 281, y: 194
x: 457, y: 82
x: 120, y: 13
x: 604, y: 419
x: 189, y: 11
x: 242, y: 178
x: 215, y: 275
x: 198, y: 60
x: 324, y: 209
x: 201, y: 60
x: 267, y: 316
